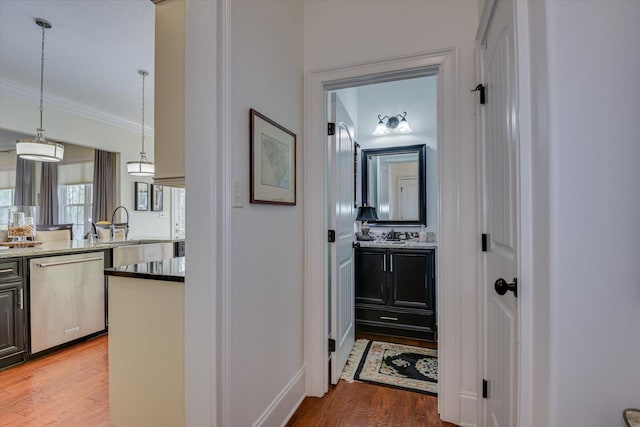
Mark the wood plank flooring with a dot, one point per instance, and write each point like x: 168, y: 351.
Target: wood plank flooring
x: 367, y: 405
x: 68, y: 388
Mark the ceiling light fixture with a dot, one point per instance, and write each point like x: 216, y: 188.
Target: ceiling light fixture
x: 397, y: 123
x: 142, y: 167
x: 40, y: 149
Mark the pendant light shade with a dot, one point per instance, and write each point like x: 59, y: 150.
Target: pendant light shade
x: 142, y: 167
x: 39, y: 148
x: 42, y: 151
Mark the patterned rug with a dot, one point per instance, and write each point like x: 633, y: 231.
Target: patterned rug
x: 393, y: 365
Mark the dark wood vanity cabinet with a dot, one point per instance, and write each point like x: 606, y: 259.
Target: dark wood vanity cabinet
x: 395, y: 292
x: 12, y: 313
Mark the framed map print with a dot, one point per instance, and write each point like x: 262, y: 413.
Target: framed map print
x: 273, y: 162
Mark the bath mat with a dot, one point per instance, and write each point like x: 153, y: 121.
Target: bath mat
x: 393, y: 365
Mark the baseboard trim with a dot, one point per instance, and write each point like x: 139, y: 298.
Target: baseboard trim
x: 468, y: 410
x: 285, y: 404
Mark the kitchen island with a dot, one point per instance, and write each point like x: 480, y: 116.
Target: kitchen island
x: 146, y: 343
x: 54, y: 294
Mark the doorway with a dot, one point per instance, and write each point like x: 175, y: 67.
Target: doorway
x: 389, y: 171
x: 442, y: 63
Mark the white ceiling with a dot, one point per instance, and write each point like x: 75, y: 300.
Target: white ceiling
x: 92, y: 53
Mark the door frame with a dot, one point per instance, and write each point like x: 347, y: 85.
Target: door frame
x: 525, y: 274
x: 316, y: 267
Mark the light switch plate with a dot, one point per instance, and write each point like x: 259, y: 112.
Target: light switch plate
x: 238, y: 193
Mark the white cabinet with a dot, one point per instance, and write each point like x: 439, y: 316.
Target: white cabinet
x: 169, y: 93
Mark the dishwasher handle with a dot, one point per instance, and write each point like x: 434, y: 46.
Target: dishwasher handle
x: 72, y: 261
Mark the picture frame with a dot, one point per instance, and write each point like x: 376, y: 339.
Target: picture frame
x: 273, y: 162
x: 157, y: 196
x: 141, y: 191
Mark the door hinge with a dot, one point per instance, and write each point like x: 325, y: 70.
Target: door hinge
x: 332, y: 236
x: 331, y: 129
x: 485, y: 389
x: 484, y: 242
x: 481, y: 88
x: 332, y: 345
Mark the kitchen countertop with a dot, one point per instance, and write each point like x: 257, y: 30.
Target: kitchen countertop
x: 395, y: 244
x: 72, y: 246
x: 171, y: 270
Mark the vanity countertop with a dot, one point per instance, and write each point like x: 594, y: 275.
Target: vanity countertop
x: 171, y: 270
x: 410, y: 244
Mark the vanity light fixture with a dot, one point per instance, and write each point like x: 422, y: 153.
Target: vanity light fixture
x: 39, y: 148
x: 142, y: 167
x: 397, y: 123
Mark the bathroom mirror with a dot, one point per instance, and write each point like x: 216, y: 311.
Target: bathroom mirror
x: 394, y: 182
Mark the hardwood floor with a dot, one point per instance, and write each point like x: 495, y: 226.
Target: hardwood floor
x: 367, y: 405
x: 68, y: 388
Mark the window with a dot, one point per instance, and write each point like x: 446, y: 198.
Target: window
x: 6, y: 200
x: 76, y: 207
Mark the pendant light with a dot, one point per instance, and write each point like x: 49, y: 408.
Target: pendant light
x: 40, y: 149
x: 141, y: 167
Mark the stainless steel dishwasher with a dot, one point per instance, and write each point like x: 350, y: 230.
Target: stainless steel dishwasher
x: 67, y: 295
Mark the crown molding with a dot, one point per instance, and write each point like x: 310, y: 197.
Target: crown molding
x: 67, y: 105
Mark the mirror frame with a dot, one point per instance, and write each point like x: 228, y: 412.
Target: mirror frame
x: 422, y: 181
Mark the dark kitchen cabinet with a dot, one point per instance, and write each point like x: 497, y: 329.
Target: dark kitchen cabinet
x: 12, y: 313
x: 395, y: 292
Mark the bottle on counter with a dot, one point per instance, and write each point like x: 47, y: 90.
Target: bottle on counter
x: 422, y: 234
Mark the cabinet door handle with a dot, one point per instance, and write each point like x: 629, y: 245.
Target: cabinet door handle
x: 20, y: 299
x: 391, y: 263
x: 6, y: 270
x: 384, y: 265
x: 388, y: 318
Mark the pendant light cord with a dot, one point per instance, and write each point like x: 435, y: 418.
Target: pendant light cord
x: 143, y: 154
x: 42, y: 80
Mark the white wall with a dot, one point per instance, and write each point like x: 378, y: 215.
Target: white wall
x: 266, y: 289
x: 20, y: 114
x: 586, y: 153
x: 339, y: 33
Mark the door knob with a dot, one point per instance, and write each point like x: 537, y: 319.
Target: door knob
x: 502, y: 287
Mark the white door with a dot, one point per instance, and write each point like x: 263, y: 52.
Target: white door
x: 341, y: 220
x: 408, y: 198
x: 500, y: 178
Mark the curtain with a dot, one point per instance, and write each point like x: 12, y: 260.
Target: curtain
x: 25, y: 182
x: 104, y: 165
x: 49, y: 193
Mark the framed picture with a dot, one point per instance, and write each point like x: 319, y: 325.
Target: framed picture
x: 273, y: 162
x: 157, y: 193
x: 142, y: 196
